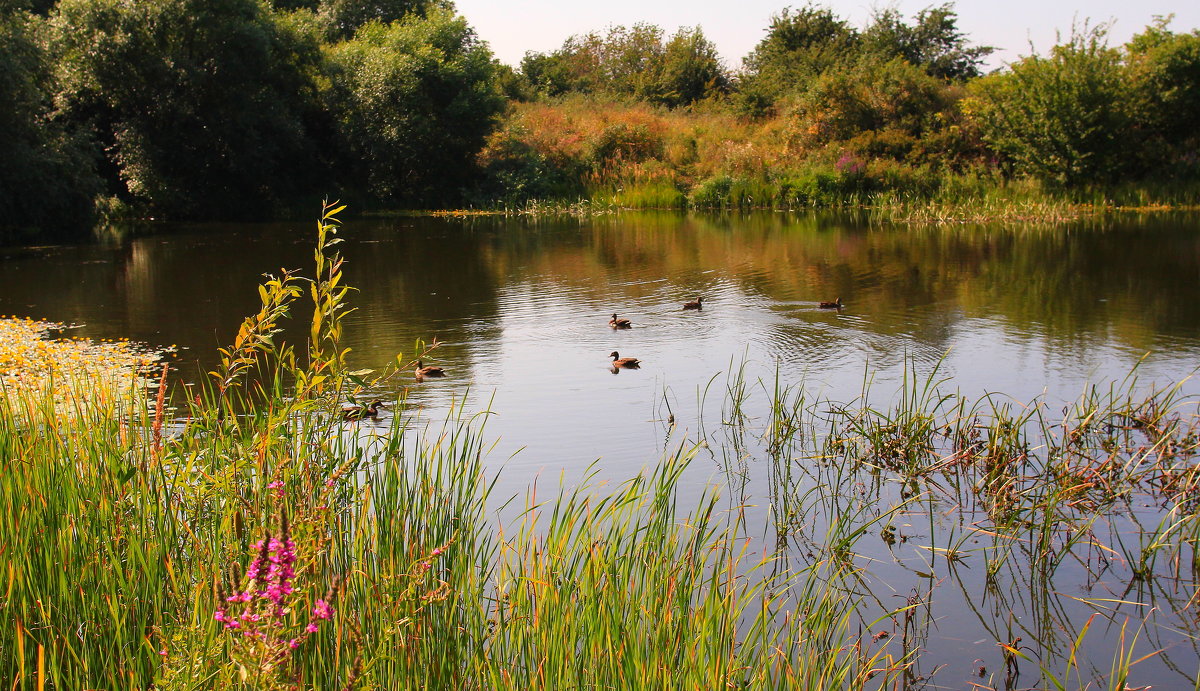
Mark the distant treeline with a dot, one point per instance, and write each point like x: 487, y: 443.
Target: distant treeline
x: 221, y: 109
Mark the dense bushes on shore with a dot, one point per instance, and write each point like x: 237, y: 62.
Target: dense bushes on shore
x: 240, y: 108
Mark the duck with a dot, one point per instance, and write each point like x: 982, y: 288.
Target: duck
x: 360, y: 412
x: 694, y: 304
x: 835, y: 305
x: 629, y: 362
x: 619, y: 323
x: 429, y: 371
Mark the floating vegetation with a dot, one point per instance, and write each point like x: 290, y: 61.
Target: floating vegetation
x: 74, y: 371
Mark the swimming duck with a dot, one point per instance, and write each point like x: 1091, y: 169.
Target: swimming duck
x: 619, y: 323
x: 429, y: 371
x: 694, y: 305
x: 360, y: 412
x: 629, y: 362
x: 835, y: 305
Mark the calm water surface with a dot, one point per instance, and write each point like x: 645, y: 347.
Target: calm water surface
x: 521, y: 308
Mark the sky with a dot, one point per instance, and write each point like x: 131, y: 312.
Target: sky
x: 512, y: 27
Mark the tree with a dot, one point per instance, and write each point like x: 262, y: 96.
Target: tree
x: 691, y: 70
x: 1164, y: 72
x: 41, y: 7
x: 632, y: 60
x: 800, y: 44
x: 344, y: 17
x: 201, y: 108
x: 1065, y: 118
x: 547, y: 73
x: 47, y: 181
x: 414, y: 101
x: 933, y: 43
x: 878, y: 110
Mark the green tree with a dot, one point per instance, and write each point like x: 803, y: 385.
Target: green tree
x: 41, y: 7
x: 691, y: 69
x: 632, y: 60
x: 877, y: 110
x: 799, y: 45
x: 624, y: 62
x: 1064, y: 118
x: 47, y: 181
x: 1164, y: 72
x: 933, y: 42
x: 414, y: 101
x: 202, y: 108
x: 343, y: 17
x: 547, y: 73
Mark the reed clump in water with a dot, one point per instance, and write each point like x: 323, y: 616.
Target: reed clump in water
x: 1032, y: 497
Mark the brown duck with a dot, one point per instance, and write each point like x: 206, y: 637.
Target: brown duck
x: 424, y: 370
x: 835, y: 305
x: 360, y: 412
x: 617, y: 323
x: 694, y: 304
x: 627, y: 362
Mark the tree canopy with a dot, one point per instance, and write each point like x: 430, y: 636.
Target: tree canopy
x: 413, y: 102
x: 632, y: 62
x: 210, y: 109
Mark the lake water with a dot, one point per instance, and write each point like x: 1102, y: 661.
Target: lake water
x: 521, y: 309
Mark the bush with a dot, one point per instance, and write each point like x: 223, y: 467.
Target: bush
x: 514, y: 172
x: 414, y: 103
x: 1065, y: 118
x: 623, y: 143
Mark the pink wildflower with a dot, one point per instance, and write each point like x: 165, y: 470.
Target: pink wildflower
x: 322, y: 610
x: 312, y: 627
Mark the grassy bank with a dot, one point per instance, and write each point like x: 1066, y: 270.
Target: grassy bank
x: 253, y: 538
x: 580, y: 154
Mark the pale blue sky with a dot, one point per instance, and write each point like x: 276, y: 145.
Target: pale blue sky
x: 512, y: 27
